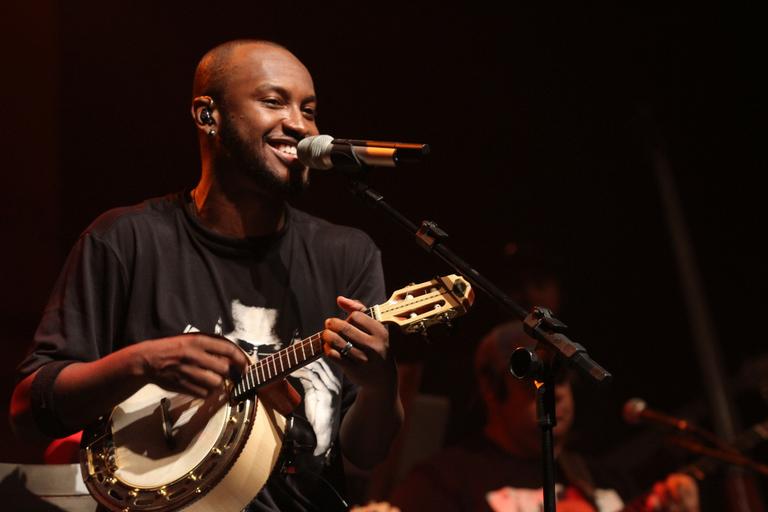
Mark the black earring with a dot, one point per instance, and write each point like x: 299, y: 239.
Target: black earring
x: 205, y: 116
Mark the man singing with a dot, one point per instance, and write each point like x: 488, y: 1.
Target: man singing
x: 149, y: 292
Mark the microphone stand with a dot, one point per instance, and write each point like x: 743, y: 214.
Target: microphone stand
x: 548, y: 331
x: 726, y: 455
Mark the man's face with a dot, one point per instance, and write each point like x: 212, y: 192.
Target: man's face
x: 518, y: 411
x: 268, y: 106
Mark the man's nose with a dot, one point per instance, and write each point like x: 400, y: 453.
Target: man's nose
x: 560, y: 392
x: 296, y: 122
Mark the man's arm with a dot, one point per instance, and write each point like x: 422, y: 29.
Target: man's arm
x: 376, y: 416
x: 678, y: 492
x: 193, y: 364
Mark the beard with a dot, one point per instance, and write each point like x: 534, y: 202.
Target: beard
x: 242, y: 158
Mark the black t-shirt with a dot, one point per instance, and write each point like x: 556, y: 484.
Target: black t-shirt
x: 477, y: 476
x: 152, y: 270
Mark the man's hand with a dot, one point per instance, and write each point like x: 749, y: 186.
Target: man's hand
x: 367, y: 361
x: 678, y: 493
x: 195, y: 364
x: 373, y: 420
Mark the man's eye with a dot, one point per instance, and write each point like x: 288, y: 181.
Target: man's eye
x: 309, y: 112
x: 272, y: 102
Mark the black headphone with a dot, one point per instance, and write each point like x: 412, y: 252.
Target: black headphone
x: 205, y: 116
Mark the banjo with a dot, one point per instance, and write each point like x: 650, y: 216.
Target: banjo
x: 164, y: 451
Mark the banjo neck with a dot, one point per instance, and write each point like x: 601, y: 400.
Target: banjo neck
x: 278, y: 365
x: 413, y: 308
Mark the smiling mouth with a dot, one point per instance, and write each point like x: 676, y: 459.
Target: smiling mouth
x: 284, y: 149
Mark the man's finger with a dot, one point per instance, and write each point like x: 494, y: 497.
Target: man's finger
x: 343, y: 328
x: 222, y: 347
x: 349, y: 305
x: 208, y: 361
x: 334, y: 344
x: 204, y: 378
x: 366, y: 324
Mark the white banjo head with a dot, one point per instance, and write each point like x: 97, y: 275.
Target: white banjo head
x: 161, y: 450
x: 143, y: 455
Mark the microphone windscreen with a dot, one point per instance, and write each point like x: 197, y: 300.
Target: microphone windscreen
x: 315, y: 151
x: 633, y: 409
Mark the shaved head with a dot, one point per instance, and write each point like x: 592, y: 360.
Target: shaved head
x: 212, y: 71
x: 253, y: 101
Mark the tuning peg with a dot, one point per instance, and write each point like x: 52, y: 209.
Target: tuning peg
x: 421, y: 328
x: 447, y: 319
x: 459, y: 287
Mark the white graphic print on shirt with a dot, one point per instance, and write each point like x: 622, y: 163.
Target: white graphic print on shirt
x: 256, y: 325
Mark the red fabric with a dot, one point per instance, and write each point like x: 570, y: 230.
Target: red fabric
x: 64, y: 450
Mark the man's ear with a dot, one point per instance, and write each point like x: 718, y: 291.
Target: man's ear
x: 489, y: 389
x: 492, y: 387
x: 204, y: 113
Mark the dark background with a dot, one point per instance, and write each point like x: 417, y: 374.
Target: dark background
x: 541, y: 123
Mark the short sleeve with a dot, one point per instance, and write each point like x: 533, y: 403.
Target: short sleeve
x: 366, y: 281
x: 84, y: 315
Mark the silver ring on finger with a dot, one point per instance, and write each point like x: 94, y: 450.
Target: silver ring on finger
x: 344, y: 351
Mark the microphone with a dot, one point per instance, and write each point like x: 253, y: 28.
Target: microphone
x: 324, y: 152
x: 636, y: 410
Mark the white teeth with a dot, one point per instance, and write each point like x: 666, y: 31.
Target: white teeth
x: 287, y: 149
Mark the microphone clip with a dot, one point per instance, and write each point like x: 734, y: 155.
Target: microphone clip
x: 430, y: 234
x: 543, y: 318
